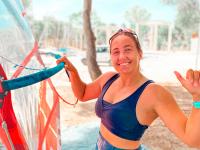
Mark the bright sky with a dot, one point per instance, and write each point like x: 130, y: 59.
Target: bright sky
x: 110, y: 11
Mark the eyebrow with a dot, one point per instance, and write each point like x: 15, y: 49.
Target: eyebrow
x: 114, y: 49
x: 125, y: 46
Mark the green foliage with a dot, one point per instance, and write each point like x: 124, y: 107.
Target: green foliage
x: 52, y: 25
x: 143, y: 33
x: 162, y: 37
x: 101, y: 37
x: 187, y: 20
x: 188, y: 15
x: 137, y: 15
x: 37, y: 28
x: 76, y: 20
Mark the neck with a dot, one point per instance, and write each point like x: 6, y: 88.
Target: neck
x: 131, y: 79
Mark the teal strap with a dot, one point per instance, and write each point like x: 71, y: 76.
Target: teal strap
x: 31, y: 79
x: 196, y: 104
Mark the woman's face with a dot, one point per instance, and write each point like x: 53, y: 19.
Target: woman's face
x: 125, y: 56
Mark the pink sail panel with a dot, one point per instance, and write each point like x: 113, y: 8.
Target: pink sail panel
x: 48, y: 119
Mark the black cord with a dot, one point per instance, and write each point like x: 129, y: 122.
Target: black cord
x: 16, y: 65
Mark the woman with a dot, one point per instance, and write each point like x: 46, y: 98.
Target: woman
x: 128, y: 102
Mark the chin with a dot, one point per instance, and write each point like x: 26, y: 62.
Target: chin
x: 124, y: 71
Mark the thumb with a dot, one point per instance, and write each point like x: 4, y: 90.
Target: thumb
x: 179, y: 77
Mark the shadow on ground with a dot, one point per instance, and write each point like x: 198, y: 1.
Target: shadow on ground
x: 80, y: 137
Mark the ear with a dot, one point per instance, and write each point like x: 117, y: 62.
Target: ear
x: 140, y: 54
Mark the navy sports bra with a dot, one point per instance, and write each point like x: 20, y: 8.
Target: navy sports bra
x: 120, y: 118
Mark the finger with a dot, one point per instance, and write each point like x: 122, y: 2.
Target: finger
x: 62, y: 59
x: 66, y: 67
x: 58, y: 61
x: 196, y: 78
x: 190, y: 75
x: 199, y: 77
x: 180, y: 77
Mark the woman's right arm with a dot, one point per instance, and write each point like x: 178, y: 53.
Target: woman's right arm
x: 81, y: 90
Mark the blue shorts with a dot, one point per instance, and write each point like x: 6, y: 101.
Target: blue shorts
x: 102, y: 144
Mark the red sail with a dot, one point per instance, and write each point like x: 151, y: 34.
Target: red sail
x: 7, y: 117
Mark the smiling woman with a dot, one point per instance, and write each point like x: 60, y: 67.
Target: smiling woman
x: 128, y: 102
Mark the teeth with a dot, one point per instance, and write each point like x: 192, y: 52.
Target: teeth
x: 123, y: 64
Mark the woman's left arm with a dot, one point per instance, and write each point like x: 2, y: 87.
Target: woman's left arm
x: 187, y: 129
x: 192, y: 85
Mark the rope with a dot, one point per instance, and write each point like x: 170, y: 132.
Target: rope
x: 54, y: 90
x: 17, y: 65
x: 26, y: 60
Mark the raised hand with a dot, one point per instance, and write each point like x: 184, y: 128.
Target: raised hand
x: 191, y: 83
x: 68, y: 65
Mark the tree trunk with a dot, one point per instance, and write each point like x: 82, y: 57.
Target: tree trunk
x: 93, y: 67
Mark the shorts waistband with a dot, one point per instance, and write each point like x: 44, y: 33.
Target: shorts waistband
x: 103, y: 144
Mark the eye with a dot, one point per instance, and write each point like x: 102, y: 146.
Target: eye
x: 127, y: 49
x: 115, y: 52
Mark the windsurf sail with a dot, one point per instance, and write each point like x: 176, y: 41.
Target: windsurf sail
x: 29, y: 115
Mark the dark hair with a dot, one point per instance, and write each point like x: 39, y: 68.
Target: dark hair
x: 128, y: 33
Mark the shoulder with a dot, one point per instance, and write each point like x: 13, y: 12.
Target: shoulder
x: 105, y: 77
x: 161, y: 98
x: 158, y: 93
x: 156, y: 88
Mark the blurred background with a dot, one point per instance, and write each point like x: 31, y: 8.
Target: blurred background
x: 164, y: 28
x: 169, y: 34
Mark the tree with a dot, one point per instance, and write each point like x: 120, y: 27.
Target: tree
x: 136, y: 15
x: 90, y: 39
x: 187, y: 19
x: 97, y: 25
x: 37, y: 28
x: 75, y: 20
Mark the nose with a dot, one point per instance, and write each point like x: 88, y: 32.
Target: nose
x: 121, y: 55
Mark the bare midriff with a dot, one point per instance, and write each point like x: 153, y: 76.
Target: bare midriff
x: 117, y: 141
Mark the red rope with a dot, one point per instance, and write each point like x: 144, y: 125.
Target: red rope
x: 54, y: 90
x: 51, y: 84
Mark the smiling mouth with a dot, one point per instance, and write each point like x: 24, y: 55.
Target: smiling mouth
x: 124, y: 64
